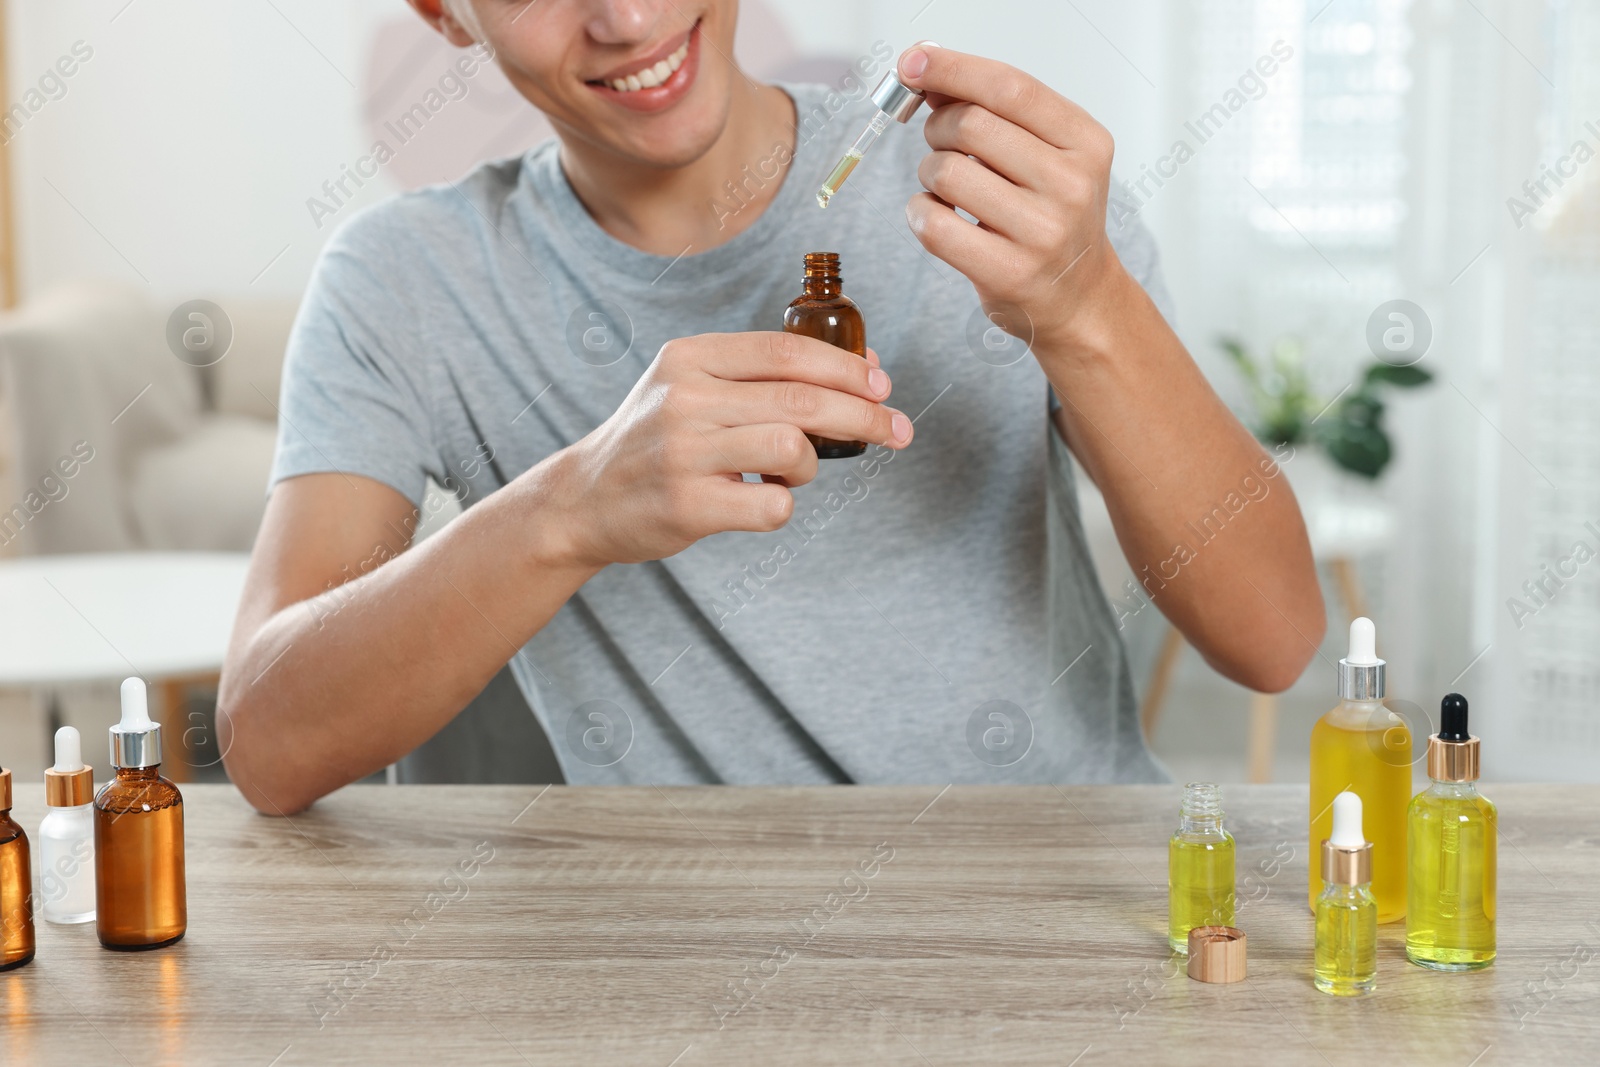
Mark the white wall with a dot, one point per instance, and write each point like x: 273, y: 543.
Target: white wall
x: 184, y: 149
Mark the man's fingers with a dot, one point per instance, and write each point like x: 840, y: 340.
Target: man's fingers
x: 965, y: 183
x: 757, y: 507
x: 779, y: 450
x: 1006, y: 148
x: 825, y: 412
x: 1000, y: 87
x: 777, y: 357
x: 969, y: 249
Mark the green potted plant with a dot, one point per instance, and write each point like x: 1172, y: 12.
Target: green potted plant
x: 1289, y: 411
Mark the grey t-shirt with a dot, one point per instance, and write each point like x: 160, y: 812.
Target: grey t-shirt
x: 929, y: 616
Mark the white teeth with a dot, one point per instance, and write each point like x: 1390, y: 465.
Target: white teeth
x: 650, y: 77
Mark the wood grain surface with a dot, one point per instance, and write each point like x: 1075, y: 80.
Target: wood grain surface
x: 518, y: 925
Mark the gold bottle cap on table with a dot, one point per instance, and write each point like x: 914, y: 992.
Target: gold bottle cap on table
x: 1217, y: 954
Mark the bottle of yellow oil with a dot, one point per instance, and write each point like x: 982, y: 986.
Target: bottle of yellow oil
x: 1364, y: 748
x: 1199, y: 867
x: 1345, y: 963
x: 1451, y: 838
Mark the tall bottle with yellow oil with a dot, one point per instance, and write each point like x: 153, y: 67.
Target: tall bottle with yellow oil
x: 1450, y: 918
x: 1363, y: 747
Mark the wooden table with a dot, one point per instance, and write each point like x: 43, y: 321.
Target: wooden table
x: 512, y: 925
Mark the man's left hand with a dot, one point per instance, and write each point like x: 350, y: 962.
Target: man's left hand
x: 1033, y: 168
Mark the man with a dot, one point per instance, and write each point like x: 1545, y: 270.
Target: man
x: 580, y: 344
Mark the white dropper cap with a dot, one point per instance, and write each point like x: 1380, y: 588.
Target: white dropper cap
x: 135, y: 741
x: 1347, y: 831
x: 1363, y: 643
x: 135, y: 705
x: 69, y: 751
x: 1361, y: 672
x: 1346, y: 854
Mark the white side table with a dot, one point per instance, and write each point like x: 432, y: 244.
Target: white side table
x: 99, y: 617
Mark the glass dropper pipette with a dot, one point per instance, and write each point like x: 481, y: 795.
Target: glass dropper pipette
x: 894, y: 101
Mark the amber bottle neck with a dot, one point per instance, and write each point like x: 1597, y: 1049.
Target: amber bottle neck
x: 822, y: 274
x: 138, y: 774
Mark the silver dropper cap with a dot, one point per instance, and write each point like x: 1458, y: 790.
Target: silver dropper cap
x: 1361, y: 672
x: 135, y: 741
x: 895, y: 99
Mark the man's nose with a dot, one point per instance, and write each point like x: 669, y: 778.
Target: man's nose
x: 626, y: 21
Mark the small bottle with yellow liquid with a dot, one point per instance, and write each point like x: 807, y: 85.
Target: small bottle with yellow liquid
x: 1364, y: 748
x: 1199, y: 867
x: 1346, y: 962
x: 1451, y: 839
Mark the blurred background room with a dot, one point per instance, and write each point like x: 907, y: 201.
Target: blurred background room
x: 1385, y: 254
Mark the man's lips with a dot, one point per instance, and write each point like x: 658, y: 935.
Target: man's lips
x: 645, y: 62
x: 668, y: 92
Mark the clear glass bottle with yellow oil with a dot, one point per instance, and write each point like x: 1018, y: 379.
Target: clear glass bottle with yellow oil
x: 1451, y: 840
x: 1200, y: 889
x: 1346, y: 954
x: 1364, y: 748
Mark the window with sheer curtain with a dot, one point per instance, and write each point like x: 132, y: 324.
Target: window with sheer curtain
x: 1379, y: 162
x: 1552, y: 616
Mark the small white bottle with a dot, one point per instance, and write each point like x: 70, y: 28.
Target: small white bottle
x: 66, y: 836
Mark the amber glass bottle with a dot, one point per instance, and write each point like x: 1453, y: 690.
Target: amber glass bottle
x: 140, y: 897
x: 16, y: 885
x: 824, y: 312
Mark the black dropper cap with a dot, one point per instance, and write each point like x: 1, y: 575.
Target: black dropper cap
x: 1453, y: 718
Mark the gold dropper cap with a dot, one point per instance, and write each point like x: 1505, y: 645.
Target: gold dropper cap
x: 69, y: 789
x: 1453, y: 752
x: 1343, y: 865
x: 5, y: 789
x: 1347, y: 854
x: 70, y: 782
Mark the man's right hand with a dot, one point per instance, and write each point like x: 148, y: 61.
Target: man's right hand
x: 664, y: 470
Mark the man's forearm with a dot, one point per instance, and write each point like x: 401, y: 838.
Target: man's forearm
x: 330, y: 689
x: 1208, y: 523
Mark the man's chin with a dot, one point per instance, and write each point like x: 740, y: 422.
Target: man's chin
x: 668, y: 142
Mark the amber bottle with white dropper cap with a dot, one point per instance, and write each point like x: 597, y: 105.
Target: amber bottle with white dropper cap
x: 140, y: 897
x: 66, y: 836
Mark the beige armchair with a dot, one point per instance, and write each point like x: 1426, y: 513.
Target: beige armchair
x: 179, y: 455
x: 180, y: 461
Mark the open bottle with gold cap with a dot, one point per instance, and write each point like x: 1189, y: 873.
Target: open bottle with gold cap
x: 1451, y: 832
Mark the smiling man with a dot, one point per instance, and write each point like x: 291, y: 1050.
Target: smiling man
x: 926, y: 613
